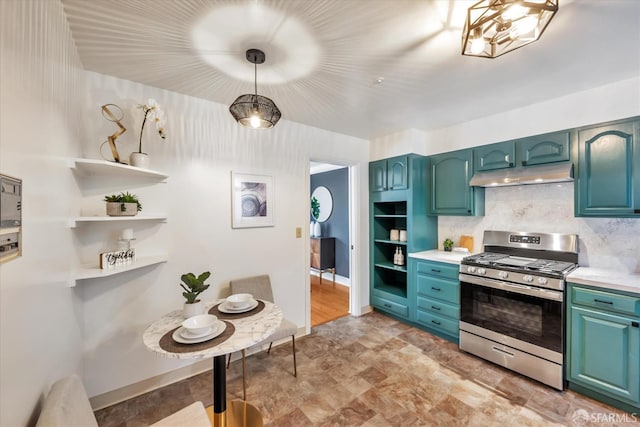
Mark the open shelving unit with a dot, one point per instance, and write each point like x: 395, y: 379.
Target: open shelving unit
x: 94, y: 272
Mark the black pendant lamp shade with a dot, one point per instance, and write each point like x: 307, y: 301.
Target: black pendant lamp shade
x: 253, y: 110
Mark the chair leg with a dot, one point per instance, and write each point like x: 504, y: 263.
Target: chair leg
x: 229, y: 361
x: 270, y: 344
x: 244, y: 381
x: 293, y: 344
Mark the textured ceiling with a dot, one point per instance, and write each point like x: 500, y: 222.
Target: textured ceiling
x: 324, y: 56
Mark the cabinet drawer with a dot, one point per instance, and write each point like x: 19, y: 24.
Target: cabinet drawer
x: 438, y: 307
x: 606, y: 301
x: 441, y: 289
x: 390, y: 306
x: 438, y: 269
x: 440, y: 323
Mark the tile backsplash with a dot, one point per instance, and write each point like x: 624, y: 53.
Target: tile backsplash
x: 611, y: 243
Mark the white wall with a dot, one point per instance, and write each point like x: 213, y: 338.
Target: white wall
x: 203, y: 146
x: 40, y: 319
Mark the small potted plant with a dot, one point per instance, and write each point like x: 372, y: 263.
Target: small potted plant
x: 315, y: 213
x: 193, y: 286
x: 448, y: 244
x: 123, y: 204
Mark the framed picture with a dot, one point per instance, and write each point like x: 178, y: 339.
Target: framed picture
x: 252, y: 200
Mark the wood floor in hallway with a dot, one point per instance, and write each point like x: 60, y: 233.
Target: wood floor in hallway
x: 329, y: 301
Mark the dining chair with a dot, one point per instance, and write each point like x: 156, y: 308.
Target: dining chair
x: 260, y: 288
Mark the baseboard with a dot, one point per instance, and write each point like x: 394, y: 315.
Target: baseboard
x: 365, y: 310
x: 341, y: 280
x: 136, y: 389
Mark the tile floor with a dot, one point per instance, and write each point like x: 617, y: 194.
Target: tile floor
x: 376, y: 371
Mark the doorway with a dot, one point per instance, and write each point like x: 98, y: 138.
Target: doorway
x: 330, y: 242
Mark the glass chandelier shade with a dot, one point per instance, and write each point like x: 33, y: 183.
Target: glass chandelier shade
x: 495, y: 27
x: 253, y: 110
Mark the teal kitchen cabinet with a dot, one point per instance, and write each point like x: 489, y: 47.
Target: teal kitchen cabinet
x: 495, y: 156
x: 450, y: 191
x: 437, y: 297
x: 406, y: 209
x: 608, y: 182
x: 389, y: 174
x: 603, y: 346
x: 543, y: 149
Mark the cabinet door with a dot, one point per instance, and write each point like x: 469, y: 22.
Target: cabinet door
x: 495, y: 156
x: 397, y: 173
x: 450, y: 191
x: 604, y: 353
x: 609, y: 176
x: 378, y: 176
x: 542, y: 149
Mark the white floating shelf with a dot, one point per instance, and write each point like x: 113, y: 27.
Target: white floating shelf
x: 96, y: 272
x: 93, y: 219
x: 105, y: 168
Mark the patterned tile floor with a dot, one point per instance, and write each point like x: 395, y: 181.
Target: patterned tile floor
x: 376, y: 371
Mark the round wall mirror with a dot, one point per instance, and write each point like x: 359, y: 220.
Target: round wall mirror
x: 325, y: 203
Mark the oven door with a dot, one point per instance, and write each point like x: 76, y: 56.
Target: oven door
x: 523, y: 313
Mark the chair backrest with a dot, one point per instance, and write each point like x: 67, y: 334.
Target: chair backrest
x: 258, y: 286
x: 67, y: 405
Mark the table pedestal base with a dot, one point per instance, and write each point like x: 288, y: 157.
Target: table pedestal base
x: 238, y: 414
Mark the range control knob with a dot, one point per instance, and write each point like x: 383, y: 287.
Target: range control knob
x: 527, y: 278
x: 471, y: 269
x: 503, y: 274
x: 482, y: 271
x: 542, y: 280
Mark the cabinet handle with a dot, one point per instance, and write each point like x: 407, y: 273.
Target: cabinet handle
x: 435, y: 308
x: 636, y: 211
x: 435, y: 271
x: 602, y: 301
x: 635, y: 324
x: 435, y: 322
x: 524, y: 163
x: 387, y: 305
x: 435, y: 289
x: 510, y: 165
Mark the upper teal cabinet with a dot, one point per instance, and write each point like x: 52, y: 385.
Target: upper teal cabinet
x: 543, y: 149
x: 495, y: 156
x: 608, y: 182
x: 389, y: 174
x: 450, y: 190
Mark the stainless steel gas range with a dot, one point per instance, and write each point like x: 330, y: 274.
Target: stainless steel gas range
x: 512, y: 302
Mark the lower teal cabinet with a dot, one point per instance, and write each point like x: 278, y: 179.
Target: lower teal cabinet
x: 391, y: 307
x: 603, y: 347
x: 438, y: 297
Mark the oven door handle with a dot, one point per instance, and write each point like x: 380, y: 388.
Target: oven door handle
x: 512, y: 287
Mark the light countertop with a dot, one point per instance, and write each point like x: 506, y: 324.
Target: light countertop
x: 440, y: 256
x: 606, y: 279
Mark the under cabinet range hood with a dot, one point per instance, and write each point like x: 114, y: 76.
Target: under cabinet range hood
x: 559, y: 172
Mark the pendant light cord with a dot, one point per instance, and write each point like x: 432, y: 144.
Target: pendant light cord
x: 255, y: 79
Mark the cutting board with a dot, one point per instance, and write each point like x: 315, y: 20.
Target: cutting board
x: 467, y: 242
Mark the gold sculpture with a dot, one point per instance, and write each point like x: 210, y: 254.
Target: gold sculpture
x: 108, y: 114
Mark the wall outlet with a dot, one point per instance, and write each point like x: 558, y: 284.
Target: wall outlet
x: 298, y: 232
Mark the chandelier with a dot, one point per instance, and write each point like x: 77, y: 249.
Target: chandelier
x: 253, y: 110
x: 495, y: 27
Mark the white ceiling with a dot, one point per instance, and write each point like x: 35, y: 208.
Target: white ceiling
x: 324, y: 56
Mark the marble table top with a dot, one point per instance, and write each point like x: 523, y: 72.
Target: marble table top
x: 248, y: 331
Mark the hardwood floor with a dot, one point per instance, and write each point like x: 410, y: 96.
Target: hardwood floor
x: 329, y: 301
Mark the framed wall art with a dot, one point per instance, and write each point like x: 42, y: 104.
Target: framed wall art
x: 252, y: 200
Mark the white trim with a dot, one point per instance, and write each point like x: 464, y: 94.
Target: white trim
x: 354, y: 238
x: 344, y: 281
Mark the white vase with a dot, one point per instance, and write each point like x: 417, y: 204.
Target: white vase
x: 311, y: 229
x: 139, y: 160
x: 190, y: 310
x: 317, y: 231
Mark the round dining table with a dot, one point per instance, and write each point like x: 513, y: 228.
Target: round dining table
x: 242, y: 330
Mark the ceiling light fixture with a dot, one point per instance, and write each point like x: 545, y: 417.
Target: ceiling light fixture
x: 253, y: 110
x: 495, y: 27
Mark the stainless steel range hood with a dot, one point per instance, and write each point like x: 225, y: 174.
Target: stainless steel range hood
x: 558, y: 172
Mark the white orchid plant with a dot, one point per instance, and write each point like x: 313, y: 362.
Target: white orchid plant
x: 154, y: 113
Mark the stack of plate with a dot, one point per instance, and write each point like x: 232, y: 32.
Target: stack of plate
x: 238, y: 303
x: 199, y: 329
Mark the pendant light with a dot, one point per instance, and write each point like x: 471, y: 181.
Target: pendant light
x: 253, y: 110
x: 495, y: 27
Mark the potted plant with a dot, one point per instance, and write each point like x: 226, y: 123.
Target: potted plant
x: 193, y: 286
x: 314, y: 230
x: 153, y: 113
x: 448, y: 244
x: 123, y: 204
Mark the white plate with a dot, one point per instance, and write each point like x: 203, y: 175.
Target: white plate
x: 218, y: 328
x: 184, y: 332
x: 225, y: 308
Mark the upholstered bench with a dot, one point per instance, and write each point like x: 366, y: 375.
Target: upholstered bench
x: 67, y: 405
